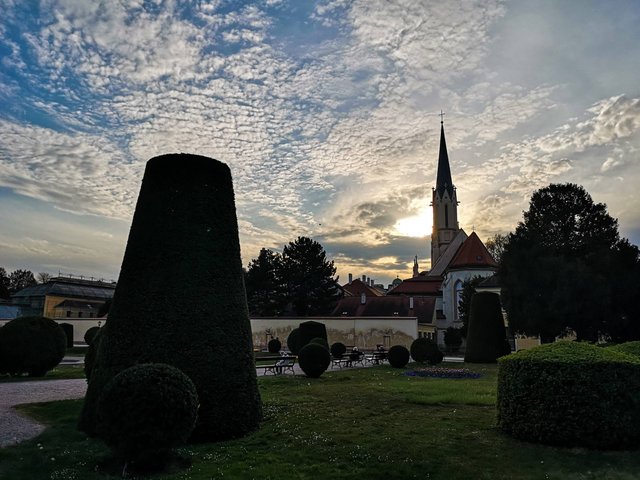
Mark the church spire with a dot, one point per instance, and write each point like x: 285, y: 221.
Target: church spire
x: 443, y: 179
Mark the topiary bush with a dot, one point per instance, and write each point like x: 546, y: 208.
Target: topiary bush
x: 570, y: 394
x: 191, y: 309
x: 145, y: 411
x: 424, y: 350
x: 631, y: 348
x: 486, y: 334
x: 310, y: 330
x: 314, y: 359
x: 90, y: 355
x: 453, y: 339
x: 274, y: 345
x: 32, y: 345
x: 67, y: 328
x: 90, y: 334
x: 398, y: 356
x: 320, y: 341
x: 293, y: 341
x: 338, y: 349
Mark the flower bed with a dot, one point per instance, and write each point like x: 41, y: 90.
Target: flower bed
x: 443, y: 373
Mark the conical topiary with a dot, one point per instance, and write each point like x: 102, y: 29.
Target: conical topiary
x: 180, y: 298
x: 486, y: 334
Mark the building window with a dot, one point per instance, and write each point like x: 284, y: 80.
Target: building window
x: 68, y: 313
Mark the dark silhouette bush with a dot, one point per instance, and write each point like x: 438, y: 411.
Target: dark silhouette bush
x: 293, y: 341
x: 338, y: 349
x: 145, y: 411
x: 310, y: 330
x: 314, y: 359
x: 90, y: 355
x: 398, y: 356
x: 320, y: 341
x: 424, y: 350
x: 180, y: 297
x: 32, y: 345
x: 486, y: 335
x: 453, y: 339
x: 90, y: 334
x: 274, y: 345
x: 67, y: 328
x: 570, y: 394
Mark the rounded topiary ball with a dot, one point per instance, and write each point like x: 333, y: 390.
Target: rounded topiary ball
x: 274, y: 345
x: 293, y: 341
x: 338, y: 349
x: 424, y: 350
x: 314, y: 359
x: 32, y: 345
x: 145, y: 411
x: 398, y: 356
x: 320, y: 341
x: 90, y: 334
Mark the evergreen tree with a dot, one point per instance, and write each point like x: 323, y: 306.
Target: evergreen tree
x: 307, y: 278
x: 19, y: 279
x: 4, y: 285
x: 464, y: 307
x: 264, y: 290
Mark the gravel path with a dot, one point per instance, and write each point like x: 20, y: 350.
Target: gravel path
x: 15, y: 428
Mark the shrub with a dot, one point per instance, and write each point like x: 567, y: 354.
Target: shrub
x: 424, y: 350
x: 293, y: 341
x: 90, y: 334
x: 67, y: 328
x: 274, y: 345
x: 486, y: 335
x: 314, y: 359
x: 90, y: 355
x: 398, y: 356
x: 631, y: 348
x: 145, y: 411
x: 570, y: 394
x: 320, y: 341
x: 32, y: 345
x: 310, y: 330
x: 453, y: 339
x: 338, y: 349
x: 191, y: 309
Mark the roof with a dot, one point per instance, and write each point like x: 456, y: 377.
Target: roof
x: 68, y: 287
x: 357, y: 287
x: 79, y: 304
x: 472, y: 253
x: 445, y: 258
x: 387, y: 307
x: 443, y: 178
x: 9, y: 312
x: 490, y: 282
x: 420, y: 285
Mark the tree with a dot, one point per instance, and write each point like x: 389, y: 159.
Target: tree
x: 464, y: 307
x: 307, y: 277
x: 495, y: 245
x: 486, y: 338
x: 264, y: 290
x: 43, y: 277
x: 19, y: 279
x: 558, y: 269
x: 4, y: 285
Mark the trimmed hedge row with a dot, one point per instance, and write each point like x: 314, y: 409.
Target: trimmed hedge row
x: 571, y: 394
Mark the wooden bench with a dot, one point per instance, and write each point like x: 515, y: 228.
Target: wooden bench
x: 277, y: 365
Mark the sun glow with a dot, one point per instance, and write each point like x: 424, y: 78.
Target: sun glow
x: 416, y: 226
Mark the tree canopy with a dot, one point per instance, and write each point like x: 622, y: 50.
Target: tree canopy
x: 562, y: 268
x: 19, y: 279
x: 264, y: 290
x: 495, y: 245
x: 4, y: 285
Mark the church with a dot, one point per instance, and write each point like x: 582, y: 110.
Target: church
x: 431, y: 296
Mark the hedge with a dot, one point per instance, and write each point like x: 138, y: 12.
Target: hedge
x: 631, y: 348
x: 486, y: 334
x: 570, y: 394
x: 180, y: 297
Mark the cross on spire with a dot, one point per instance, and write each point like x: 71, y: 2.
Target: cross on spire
x: 441, y: 115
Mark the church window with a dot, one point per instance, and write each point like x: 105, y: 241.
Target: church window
x: 446, y: 216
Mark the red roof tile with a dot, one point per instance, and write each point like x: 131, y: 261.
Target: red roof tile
x: 420, y: 285
x: 357, y: 287
x: 423, y: 307
x: 472, y: 253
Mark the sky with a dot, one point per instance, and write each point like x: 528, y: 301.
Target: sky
x: 326, y: 113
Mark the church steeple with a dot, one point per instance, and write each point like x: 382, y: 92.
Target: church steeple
x: 444, y: 203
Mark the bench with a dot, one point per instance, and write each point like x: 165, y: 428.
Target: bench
x: 277, y: 365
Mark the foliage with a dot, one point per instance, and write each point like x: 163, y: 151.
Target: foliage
x: 571, y: 394
x: 145, y: 411
x: 264, y: 289
x: 307, y: 278
x: 320, y: 341
x: 293, y: 341
x: 425, y: 350
x: 43, y: 277
x: 274, y: 345
x: 495, y: 245
x: 90, y: 355
x: 565, y: 268
x: 32, y: 345
x: 190, y: 311
x: 487, y: 338
x: 453, y: 338
x: 90, y: 334
x: 19, y: 279
x: 398, y: 356
x: 464, y: 307
x: 310, y: 330
x: 314, y: 359
x: 439, y: 372
x: 67, y: 328
x: 4, y: 285
x: 104, y: 308
x: 630, y: 348
x: 338, y: 349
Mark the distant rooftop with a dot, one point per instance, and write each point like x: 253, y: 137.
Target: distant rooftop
x: 69, y: 287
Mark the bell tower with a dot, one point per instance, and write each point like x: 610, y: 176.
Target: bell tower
x: 444, y: 203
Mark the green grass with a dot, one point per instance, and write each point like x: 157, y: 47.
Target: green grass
x: 373, y: 423
x: 61, y: 372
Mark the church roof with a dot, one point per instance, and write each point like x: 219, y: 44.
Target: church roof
x: 443, y: 178
x: 420, y: 285
x: 357, y: 287
x: 472, y: 253
x: 445, y: 258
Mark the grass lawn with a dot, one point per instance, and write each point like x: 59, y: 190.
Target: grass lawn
x: 61, y: 372
x: 374, y: 423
